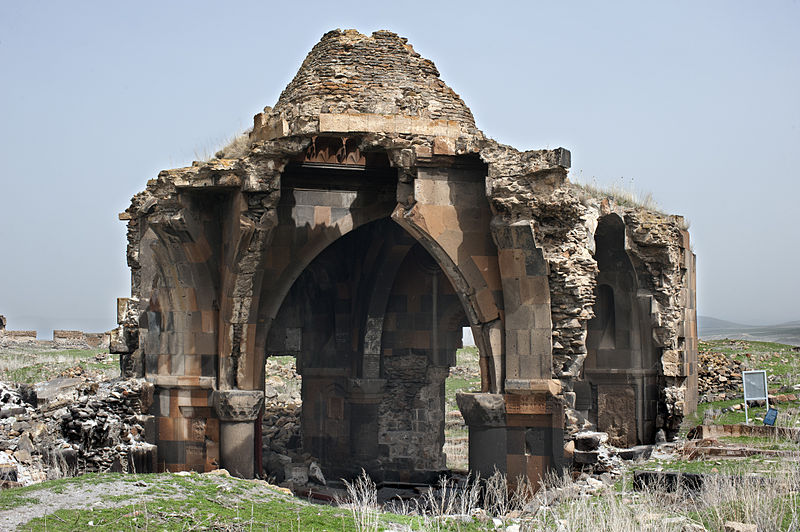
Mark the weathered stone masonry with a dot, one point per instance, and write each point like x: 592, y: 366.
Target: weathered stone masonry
x: 364, y: 222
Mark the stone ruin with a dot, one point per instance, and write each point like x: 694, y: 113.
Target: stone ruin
x: 62, y: 339
x: 360, y: 224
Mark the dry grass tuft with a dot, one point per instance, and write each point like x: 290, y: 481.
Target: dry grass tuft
x: 362, y: 500
x: 620, y: 194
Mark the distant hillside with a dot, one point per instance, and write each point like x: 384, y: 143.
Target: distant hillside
x: 715, y: 329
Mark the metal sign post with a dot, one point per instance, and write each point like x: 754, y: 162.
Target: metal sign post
x: 755, y: 389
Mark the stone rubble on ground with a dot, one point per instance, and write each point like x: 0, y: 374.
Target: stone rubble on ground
x: 718, y: 375
x: 73, y: 425
x: 282, y: 459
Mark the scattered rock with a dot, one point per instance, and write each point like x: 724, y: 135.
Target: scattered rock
x: 315, y: 473
x: 735, y: 526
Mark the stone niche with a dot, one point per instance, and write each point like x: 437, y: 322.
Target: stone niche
x: 360, y: 224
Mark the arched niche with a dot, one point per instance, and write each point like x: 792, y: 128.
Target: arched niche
x: 622, y: 365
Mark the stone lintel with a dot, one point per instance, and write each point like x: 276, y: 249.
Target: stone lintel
x: 394, y: 124
x: 524, y: 386
x: 238, y: 406
x: 182, y: 381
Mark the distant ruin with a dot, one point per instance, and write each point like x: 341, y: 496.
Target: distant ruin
x: 362, y: 223
x: 62, y: 339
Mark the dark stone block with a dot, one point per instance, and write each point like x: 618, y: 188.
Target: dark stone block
x: 208, y: 365
x: 515, y: 441
x: 404, y: 321
x: 397, y: 304
x: 172, y: 452
x: 588, y: 441
x: 636, y: 453
x: 482, y: 409
x: 538, y: 441
x: 585, y: 457
x: 151, y: 364
x: 534, y: 262
x: 667, y: 480
x: 583, y: 395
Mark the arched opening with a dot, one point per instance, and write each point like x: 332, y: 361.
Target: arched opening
x: 370, y: 399
x: 621, y: 366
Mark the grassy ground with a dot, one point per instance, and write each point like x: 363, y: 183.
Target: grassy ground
x: 192, y: 502
x: 36, y: 364
x: 782, y: 364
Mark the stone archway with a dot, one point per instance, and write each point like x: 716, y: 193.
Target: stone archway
x: 372, y: 399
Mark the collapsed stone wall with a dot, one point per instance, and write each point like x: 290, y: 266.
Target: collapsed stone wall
x: 71, y: 426
x: 531, y: 185
x: 79, y: 340
x: 9, y: 338
x: 62, y: 339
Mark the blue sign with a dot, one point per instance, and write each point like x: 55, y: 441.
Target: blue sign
x: 772, y: 415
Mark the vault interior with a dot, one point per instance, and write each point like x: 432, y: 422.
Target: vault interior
x: 382, y: 411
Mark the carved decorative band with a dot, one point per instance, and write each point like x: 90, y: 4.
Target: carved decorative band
x: 238, y: 405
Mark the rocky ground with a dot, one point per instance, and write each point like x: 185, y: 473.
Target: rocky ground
x: 83, y: 421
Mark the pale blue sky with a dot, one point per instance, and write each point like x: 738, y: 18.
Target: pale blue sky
x: 695, y: 102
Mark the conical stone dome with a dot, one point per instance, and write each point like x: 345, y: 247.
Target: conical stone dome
x: 348, y: 73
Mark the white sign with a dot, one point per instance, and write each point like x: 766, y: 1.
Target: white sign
x: 755, y: 389
x: 755, y: 385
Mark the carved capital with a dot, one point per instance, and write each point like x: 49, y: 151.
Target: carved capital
x: 482, y: 409
x: 238, y: 405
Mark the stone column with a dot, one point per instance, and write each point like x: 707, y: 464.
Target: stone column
x: 485, y: 415
x: 364, y: 396
x: 237, y: 411
x: 520, y: 435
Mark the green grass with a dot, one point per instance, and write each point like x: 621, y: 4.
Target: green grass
x: 36, y: 364
x: 454, y: 385
x: 173, y: 502
x: 204, y: 502
x: 782, y: 365
x: 747, y: 465
x: 762, y: 442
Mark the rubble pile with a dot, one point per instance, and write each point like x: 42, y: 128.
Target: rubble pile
x: 280, y: 426
x: 591, y: 453
x: 73, y: 425
x: 718, y: 375
x: 106, y: 426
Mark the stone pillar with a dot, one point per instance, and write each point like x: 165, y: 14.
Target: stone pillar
x: 364, y: 396
x: 520, y: 435
x: 527, y: 322
x: 237, y: 411
x: 485, y: 415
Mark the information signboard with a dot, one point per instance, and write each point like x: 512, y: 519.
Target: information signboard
x: 755, y: 388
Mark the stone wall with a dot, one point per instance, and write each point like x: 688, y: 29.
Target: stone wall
x: 61, y: 339
x: 80, y: 340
